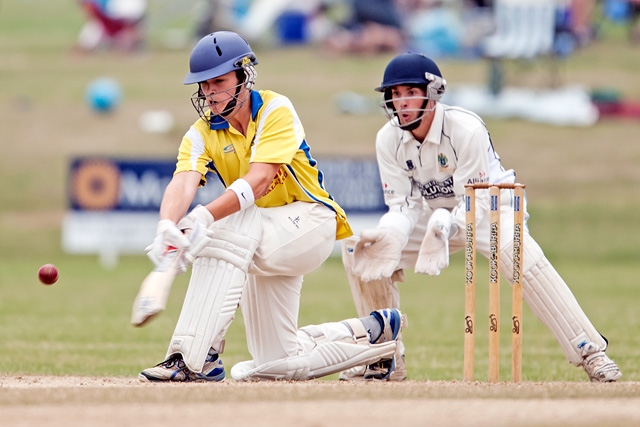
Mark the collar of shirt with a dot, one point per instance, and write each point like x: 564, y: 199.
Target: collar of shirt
x: 435, y: 130
x: 218, y: 122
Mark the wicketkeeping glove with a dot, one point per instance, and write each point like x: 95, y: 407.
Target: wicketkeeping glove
x: 434, y: 250
x: 378, y: 252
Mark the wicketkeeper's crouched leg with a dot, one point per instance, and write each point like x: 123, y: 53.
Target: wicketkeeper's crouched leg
x: 552, y: 301
x: 368, y: 297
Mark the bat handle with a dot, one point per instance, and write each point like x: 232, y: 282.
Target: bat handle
x: 171, y: 258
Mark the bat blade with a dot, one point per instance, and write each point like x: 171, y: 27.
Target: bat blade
x: 154, y: 290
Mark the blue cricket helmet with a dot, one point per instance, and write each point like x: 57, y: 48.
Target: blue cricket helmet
x: 216, y: 54
x: 411, y: 69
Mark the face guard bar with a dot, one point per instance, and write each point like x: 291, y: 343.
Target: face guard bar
x: 236, y: 94
x: 434, y: 90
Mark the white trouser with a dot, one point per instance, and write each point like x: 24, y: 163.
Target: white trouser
x: 549, y: 297
x: 296, y: 240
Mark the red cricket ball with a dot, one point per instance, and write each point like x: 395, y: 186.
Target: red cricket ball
x: 48, y: 274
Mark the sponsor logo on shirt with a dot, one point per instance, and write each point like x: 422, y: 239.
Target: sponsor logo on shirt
x: 229, y: 149
x: 434, y: 189
x: 280, y: 178
x: 295, y: 221
x: 387, y: 190
x: 480, y: 179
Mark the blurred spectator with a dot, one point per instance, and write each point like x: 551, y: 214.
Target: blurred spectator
x: 434, y: 27
x: 226, y: 15
x: 581, y: 20
x: 112, y: 24
x: 478, y: 21
x: 374, y: 26
x: 207, y: 21
x: 634, y: 16
x: 255, y: 19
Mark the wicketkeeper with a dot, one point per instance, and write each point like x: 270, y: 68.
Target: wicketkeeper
x: 253, y: 244
x: 426, y: 154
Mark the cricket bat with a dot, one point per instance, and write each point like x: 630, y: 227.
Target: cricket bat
x: 154, y: 290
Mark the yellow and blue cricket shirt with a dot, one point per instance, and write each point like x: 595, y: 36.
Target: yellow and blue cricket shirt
x: 274, y: 135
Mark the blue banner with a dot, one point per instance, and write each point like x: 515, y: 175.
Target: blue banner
x: 137, y: 185
x: 354, y: 182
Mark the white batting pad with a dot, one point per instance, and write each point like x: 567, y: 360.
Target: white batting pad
x: 552, y: 301
x: 217, y: 280
x: 327, y: 349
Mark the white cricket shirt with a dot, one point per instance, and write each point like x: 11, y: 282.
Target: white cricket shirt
x: 456, y: 151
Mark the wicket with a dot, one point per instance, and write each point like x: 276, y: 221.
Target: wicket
x: 494, y: 280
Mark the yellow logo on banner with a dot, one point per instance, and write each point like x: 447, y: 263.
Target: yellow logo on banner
x: 95, y: 185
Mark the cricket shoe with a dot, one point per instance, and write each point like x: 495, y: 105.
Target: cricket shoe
x: 359, y: 373
x: 174, y: 370
x: 598, y: 365
x: 400, y: 371
x: 354, y: 374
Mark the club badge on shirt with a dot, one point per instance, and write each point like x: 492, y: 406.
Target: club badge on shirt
x: 443, y: 162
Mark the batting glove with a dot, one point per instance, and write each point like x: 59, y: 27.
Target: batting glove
x: 378, y: 252
x: 197, y: 226
x: 434, y: 250
x: 198, y: 214
x: 168, y: 239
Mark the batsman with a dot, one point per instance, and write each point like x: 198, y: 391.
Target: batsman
x: 426, y: 153
x: 252, y: 245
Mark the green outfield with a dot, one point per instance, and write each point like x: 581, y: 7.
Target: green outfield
x: 583, y: 187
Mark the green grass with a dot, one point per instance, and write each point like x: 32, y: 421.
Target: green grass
x: 582, y: 185
x: 81, y: 326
